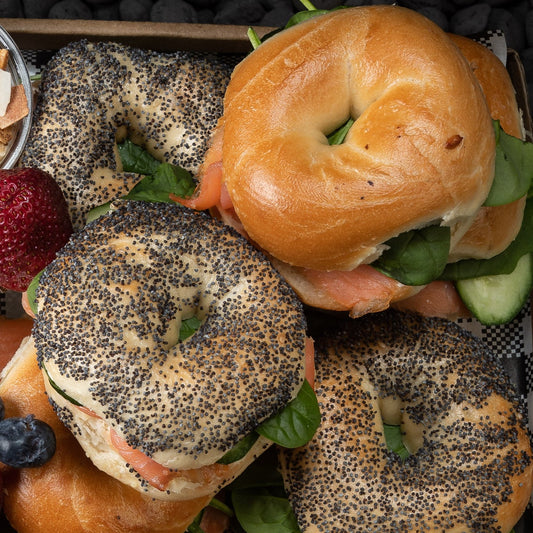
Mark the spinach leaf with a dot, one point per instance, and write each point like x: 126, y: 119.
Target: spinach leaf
x: 188, y: 327
x: 393, y: 437
x: 416, y: 257
x: 296, y: 423
x: 166, y: 179
x: 312, y: 11
x: 239, y: 450
x: 97, y: 212
x: 514, y: 168
x: 136, y: 159
x: 503, y: 263
x: 291, y: 427
x: 259, y: 498
x: 300, y: 16
x: 160, y: 179
x: 32, y: 290
x: 261, y: 511
x: 338, y: 136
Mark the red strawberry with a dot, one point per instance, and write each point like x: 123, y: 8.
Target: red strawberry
x: 34, y: 225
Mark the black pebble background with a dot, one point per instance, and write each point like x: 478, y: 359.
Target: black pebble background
x: 464, y: 17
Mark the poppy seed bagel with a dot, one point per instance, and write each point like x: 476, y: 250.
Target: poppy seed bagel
x: 92, y: 95
x: 470, y: 466
x: 110, y: 309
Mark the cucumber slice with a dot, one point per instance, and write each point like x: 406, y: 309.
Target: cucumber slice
x: 498, y: 299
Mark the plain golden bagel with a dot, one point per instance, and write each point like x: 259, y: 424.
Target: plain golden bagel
x: 421, y: 150
x: 470, y: 467
x: 110, y: 310
x: 94, y: 94
x: 494, y: 228
x: 69, y: 494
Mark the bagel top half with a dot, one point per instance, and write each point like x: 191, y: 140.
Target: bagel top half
x: 110, y: 310
x: 420, y: 152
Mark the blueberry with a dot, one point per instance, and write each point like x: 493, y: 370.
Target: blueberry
x: 26, y: 442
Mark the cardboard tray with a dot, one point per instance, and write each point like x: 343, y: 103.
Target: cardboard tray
x: 39, y: 34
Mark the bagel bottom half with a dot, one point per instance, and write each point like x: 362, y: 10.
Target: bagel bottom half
x: 470, y: 465
x: 69, y: 494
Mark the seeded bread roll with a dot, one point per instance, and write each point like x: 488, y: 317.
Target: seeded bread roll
x: 155, y: 412
x: 494, y: 228
x: 93, y: 94
x: 471, y: 465
x: 420, y: 151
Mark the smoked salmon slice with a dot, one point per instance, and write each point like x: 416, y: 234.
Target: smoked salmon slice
x: 361, y: 290
x: 438, y: 299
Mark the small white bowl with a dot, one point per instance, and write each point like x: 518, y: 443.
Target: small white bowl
x: 19, y: 74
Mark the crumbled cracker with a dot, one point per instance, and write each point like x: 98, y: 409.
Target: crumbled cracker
x: 6, y: 134
x: 17, y: 108
x: 4, y: 57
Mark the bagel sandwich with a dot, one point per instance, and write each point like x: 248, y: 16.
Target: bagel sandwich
x: 170, y: 348
x: 365, y: 161
x: 458, y: 414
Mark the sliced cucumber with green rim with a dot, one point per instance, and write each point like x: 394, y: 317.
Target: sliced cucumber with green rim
x: 498, y: 299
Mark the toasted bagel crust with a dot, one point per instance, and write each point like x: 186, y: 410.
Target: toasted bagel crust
x: 69, y: 494
x: 421, y: 150
x: 494, y: 228
x: 110, y: 309
x: 471, y: 465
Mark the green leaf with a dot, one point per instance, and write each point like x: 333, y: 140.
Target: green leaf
x: 296, y: 424
x: 297, y: 18
x: 58, y: 389
x: 393, y: 437
x: 160, y: 179
x: 513, y: 173
x: 259, y: 511
x: 166, y: 179
x: 338, y: 136
x: 291, y: 427
x: 31, y: 292
x: 239, y: 450
x: 97, y: 212
x: 416, y: 257
x: 136, y: 159
x: 503, y: 263
x: 302, y: 16
x: 188, y: 327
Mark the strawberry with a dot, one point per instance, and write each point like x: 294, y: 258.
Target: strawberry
x: 34, y: 225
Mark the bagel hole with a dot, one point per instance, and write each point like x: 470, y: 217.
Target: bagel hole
x: 181, y: 328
